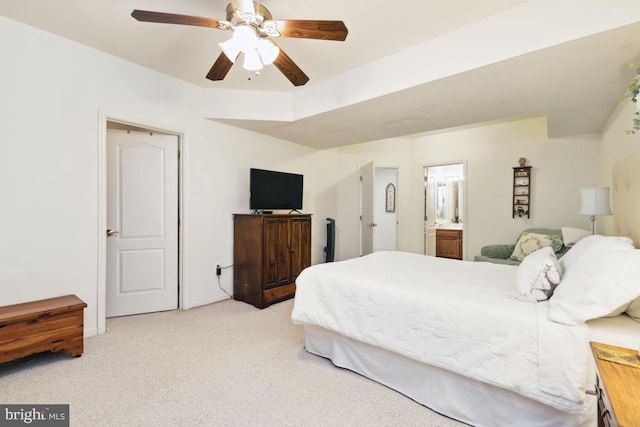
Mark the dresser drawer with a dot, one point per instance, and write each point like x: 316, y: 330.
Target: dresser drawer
x: 451, y: 234
x: 280, y: 293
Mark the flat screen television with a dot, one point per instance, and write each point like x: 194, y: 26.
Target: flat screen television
x: 275, y: 190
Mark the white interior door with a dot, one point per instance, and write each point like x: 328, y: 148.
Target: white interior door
x: 142, y: 222
x: 385, y: 193
x: 367, y: 222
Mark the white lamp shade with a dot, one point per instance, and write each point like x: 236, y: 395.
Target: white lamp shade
x: 268, y: 51
x: 252, y: 61
x: 230, y: 49
x: 595, y: 201
x: 245, y: 37
x: 257, y: 51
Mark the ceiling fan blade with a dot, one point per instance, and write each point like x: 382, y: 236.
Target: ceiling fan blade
x: 220, y: 68
x: 172, y: 18
x: 310, y: 29
x: 290, y: 69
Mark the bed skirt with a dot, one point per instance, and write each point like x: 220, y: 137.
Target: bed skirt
x: 443, y: 391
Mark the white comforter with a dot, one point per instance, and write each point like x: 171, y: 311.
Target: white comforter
x: 457, y: 315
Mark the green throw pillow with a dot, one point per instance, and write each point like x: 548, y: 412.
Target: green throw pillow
x: 531, y: 242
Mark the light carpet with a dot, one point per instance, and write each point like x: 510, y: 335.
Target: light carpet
x: 225, y: 364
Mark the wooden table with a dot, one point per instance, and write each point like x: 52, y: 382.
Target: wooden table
x: 618, y: 385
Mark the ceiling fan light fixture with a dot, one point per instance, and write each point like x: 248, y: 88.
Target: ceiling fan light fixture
x: 268, y: 51
x: 245, y: 38
x: 270, y: 28
x: 230, y: 49
x: 251, y: 22
x: 252, y: 61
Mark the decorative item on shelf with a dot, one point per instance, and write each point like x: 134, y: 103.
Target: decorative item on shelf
x: 633, y: 93
x: 595, y: 202
x: 522, y: 162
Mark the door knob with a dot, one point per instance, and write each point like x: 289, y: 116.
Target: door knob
x: 373, y: 224
x: 111, y: 232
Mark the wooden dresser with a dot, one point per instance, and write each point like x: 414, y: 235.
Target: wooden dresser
x: 617, y: 386
x: 269, y: 251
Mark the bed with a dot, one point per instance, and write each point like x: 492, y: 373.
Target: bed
x: 457, y: 336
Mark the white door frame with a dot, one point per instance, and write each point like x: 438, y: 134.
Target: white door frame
x: 104, y: 117
x: 367, y: 196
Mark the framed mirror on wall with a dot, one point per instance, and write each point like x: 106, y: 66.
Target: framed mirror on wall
x: 448, y: 202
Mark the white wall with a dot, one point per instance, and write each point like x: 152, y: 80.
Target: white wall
x: 54, y: 93
x: 616, y: 146
x: 560, y: 168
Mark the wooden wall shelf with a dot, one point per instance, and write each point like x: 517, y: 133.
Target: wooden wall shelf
x: 521, y: 192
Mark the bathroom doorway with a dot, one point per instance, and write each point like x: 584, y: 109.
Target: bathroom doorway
x: 444, y: 195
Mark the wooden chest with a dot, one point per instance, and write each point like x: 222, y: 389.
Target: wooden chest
x: 53, y: 324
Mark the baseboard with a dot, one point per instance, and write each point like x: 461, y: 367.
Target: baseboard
x: 90, y: 332
x: 206, y: 302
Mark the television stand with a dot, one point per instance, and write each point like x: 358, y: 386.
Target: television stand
x: 269, y: 252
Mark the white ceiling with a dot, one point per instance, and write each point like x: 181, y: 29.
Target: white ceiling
x: 576, y: 83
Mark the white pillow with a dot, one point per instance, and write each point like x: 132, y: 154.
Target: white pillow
x: 537, y: 275
x: 529, y: 242
x: 633, y: 310
x: 589, y: 244
x: 603, y: 280
x: 570, y: 235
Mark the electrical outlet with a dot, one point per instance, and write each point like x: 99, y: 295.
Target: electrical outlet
x: 218, y: 270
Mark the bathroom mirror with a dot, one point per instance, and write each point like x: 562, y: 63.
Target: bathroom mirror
x: 447, y: 202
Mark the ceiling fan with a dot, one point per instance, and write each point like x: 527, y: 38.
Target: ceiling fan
x: 253, y: 28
